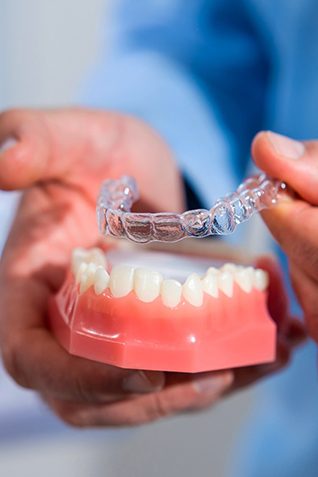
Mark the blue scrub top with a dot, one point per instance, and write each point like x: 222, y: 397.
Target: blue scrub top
x: 209, y: 74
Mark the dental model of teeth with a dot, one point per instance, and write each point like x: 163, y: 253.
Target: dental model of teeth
x: 113, y: 310
x: 117, y: 197
x: 89, y: 268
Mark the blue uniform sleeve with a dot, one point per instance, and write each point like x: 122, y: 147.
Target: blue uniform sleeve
x: 175, y: 65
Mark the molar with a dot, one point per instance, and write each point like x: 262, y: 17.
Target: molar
x: 171, y: 293
x: 192, y: 290
x: 210, y: 282
x: 244, y: 279
x: 229, y: 267
x: 97, y: 256
x: 147, y: 284
x: 121, y: 280
x: 225, y: 282
x: 261, y: 279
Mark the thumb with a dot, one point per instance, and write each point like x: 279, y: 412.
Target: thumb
x: 53, y: 145
x: 292, y: 161
x: 292, y: 222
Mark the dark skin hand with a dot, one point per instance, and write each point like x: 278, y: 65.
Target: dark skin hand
x: 294, y: 223
x: 59, y: 159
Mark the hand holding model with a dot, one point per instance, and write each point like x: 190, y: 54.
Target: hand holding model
x: 60, y: 158
x: 294, y: 223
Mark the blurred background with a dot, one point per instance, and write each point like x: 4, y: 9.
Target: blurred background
x: 47, y: 48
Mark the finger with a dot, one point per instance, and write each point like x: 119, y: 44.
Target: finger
x: 251, y: 374
x: 293, y: 225
x: 46, y: 367
x: 35, y: 360
x: 42, y: 145
x: 191, y: 394
x: 296, y: 332
x: 294, y: 335
x: 293, y: 222
x: 82, y: 147
x: 278, y: 302
x: 306, y: 290
x: 292, y: 161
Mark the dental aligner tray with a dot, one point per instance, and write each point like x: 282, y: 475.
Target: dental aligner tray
x: 178, y: 309
x: 117, y: 197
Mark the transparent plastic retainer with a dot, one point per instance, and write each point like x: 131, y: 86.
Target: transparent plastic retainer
x: 118, y: 195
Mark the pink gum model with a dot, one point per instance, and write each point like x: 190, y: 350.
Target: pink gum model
x: 223, y: 331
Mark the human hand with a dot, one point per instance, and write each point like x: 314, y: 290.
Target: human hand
x: 60, y: 157
x: 290, y: 331
x: 294, y: 222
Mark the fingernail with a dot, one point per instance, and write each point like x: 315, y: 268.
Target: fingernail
x: 7, y: 144
x: 143, y: 382
x: 286, y: 146
x: 213, y: 384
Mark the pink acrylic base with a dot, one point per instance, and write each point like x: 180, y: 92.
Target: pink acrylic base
x: 125, y: 332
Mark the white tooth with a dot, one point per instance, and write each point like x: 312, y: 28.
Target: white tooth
x: 212, y: 270
x: 250, y: 271
x: 88, y: 277
x: 225, y: 282
x: 91, y: 269
x: 79, y: 255
x: 210, y: 282
x: 97, y: 256
x: 171, y: 293
x: 84, y: 282
x: 121, y: 280
x: 101, y: 280
x: 147, y: 284
x: 229, y: 267
x: 82, y: 269
x: 192, y: 290
x: 261, y: 279
x: 244, y: 279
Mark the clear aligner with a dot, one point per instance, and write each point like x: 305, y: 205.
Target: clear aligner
x: 117, y: 197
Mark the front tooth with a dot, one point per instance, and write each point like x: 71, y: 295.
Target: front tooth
x: 192, y: 290
x: 79, y: 255
x: 97, y: 256
x: 244, y: 279
x: 229, y: 267
x: 147, y: 284
x: 210, y: 282
x: 121, y: 280
x: 171, y: 293
x: 101, y: 280
x: 261, y: 279
x: 225, y: 282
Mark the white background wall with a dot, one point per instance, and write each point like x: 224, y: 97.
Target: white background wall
x: 45, y: 48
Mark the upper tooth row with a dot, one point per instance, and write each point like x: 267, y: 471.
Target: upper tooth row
x: 148, y: 284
